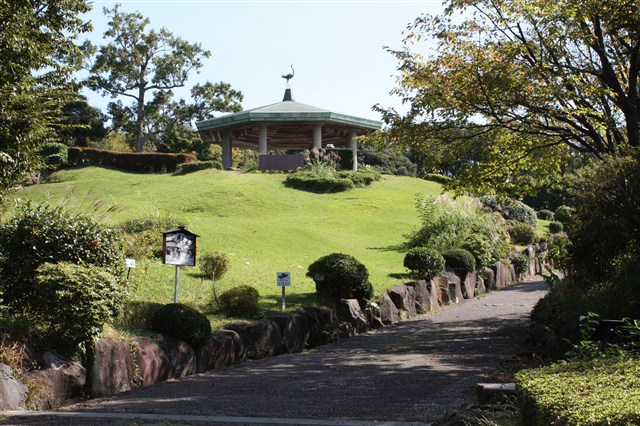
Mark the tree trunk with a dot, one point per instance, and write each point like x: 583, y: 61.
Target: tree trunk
x: 140, y: 118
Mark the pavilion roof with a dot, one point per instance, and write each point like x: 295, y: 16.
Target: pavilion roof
x: 287, y: 112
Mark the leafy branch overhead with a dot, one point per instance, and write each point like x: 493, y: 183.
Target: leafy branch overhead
x: 144, y: 66
x: 563, y: 75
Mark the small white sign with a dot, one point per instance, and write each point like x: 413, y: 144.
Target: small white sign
x: 283, y: 279
x: 131, y: 263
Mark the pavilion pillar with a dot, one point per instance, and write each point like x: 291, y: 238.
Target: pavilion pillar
x: 317, y: 136
x: 262, y: 139
x: 353, y: 144
x: 227, y: 153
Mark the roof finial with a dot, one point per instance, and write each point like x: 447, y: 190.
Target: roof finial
x: 289, y: 76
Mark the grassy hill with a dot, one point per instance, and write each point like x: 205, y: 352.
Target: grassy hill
x: 263, y: 226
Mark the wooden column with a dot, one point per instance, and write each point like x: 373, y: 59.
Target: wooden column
x: 262, y: 139
x: 227, y: 153
x: 317, y: 136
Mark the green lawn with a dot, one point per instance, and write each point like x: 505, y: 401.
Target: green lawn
x: 263, y: 226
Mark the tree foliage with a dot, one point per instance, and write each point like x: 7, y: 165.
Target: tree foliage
x: 144, y: 66
x: 38, y: 58
x: 535, y: 81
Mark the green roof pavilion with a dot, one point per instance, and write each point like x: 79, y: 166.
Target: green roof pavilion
x: 287, y: 125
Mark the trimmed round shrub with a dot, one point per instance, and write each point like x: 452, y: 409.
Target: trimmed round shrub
x: 340, y: 276
x: 71, y: 303
x: 522, y: 234
x: 564, y: 214
x: 240, y: 301
x: 214, y: 265
x: 555, y: 227
x: 182, y: 322
x: 460, y: 260
x: 545, y: 214
x: 520, y: 264
x: 424, y: 262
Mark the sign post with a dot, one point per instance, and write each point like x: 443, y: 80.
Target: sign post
x: 179, y: 249
x: 130, y: 263
x: 283, y: 279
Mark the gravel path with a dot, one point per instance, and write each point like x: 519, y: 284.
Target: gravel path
x: 410, y: 372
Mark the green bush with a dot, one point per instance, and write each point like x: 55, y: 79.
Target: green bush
x: 425, y: 263
x: 450, y: 223
x: 55, y: 154
x: 41, y: 234
x: 195, y: 166
x: 555, y: 227
x: 510, y: 209
x: 596, y: 392
x: 183, y: 323
x: 137, y: 315
x: 522, y: 234
x: 461, y: 260
x: 240, y: 301
x: 564, y: 215
x: 386, y: 161
x: 308, y: 182
x: 360, y: 178
x: 441, y: 179
x: 520, y: 264
x: 545, y: 214
x: 143, y: 234
x: 214, y: 265
x: 340, y: 276
x: 70, y: 303
x: 136, y: 161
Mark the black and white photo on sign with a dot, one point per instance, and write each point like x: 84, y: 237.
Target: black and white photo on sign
x: 179, y: 250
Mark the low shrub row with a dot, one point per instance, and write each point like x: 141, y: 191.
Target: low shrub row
x: 441, y: 179
x: 596, y: 392
x: 195, y: 166
x: 135, y: 161
x: 309, y: 182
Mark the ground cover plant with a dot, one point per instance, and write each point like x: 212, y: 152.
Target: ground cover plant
x: 262, y: 226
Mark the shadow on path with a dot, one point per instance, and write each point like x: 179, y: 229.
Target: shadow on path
x: 412, y: 371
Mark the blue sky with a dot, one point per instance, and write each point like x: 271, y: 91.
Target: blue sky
x: 336, y: 46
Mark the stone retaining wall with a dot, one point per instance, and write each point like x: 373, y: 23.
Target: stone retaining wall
x: 123, y: 364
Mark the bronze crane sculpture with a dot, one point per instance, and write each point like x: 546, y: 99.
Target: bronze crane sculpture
x: 290, y: 75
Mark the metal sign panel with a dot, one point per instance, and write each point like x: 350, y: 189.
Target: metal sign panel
x: 283, y: 279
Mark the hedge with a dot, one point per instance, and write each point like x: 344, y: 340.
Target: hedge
x: 598, y: 392
x: 136, y: 161
x: 315, y: 184
x: 441, y: 179
x: 195, y: 166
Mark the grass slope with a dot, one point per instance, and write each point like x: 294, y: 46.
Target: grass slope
x: 263, y: 226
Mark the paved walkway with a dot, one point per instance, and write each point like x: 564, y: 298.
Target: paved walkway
x: 409, y: 373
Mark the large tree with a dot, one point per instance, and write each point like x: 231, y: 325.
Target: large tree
x: 38, y: 58
x: 561, y: 74
x: 145, y: 65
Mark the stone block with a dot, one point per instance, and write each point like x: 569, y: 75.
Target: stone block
x: 111, y: 371
x: 64, y: 379
x: 405, y: 300
x: 153, y: 365
x: 454, y: 285
x: 349, y: 311
x: 388, y: 310
x: 432, y: 287
x: 469, y: 285
x: 488, y: 392
x: 260, y: 339
x: 323, y: 325
x: 13, y: 394
x: 294, y: 329
x: 181, y: 356
x: 421, y: 296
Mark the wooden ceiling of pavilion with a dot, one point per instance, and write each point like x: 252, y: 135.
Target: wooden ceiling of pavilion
x: 286, y: 136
